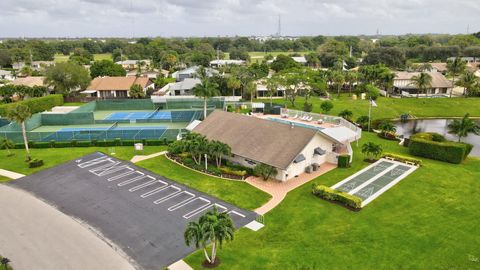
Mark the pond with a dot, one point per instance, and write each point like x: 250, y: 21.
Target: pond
x: 439, y: 126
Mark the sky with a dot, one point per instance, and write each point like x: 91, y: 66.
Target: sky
x: 167, y: 18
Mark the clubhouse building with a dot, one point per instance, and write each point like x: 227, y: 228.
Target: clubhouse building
x: 287, y: 146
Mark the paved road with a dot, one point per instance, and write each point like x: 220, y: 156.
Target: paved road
x: 35, y: 235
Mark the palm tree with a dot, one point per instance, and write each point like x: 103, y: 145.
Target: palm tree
x: 233, y: 83
x: 387, y: 127
x: 455, y: 67
x: 422, y: 82
x: 218, y: 149
x: 463, y: 127
x: 214, y: 228
x: 251, y: 89
x: 6, y: 144
x: 338, y: 80
x: 20, y: 113
x: 468, y: 80
x: 272, y: 88
x: 371, y: 150
x: 346, y: 114
x: 350, y: 78
x: 206, y: 90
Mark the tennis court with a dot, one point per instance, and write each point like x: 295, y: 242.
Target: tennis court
x: 157, y: 115
x: 375, y: 179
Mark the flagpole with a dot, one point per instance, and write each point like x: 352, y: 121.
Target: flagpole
x: 369, y: 114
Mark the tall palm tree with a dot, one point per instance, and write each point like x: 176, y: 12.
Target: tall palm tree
x: 422, y: 82
x: 206, y: 89
x: 20, y: 113
x: 272, y: 88
x: 251, y: 89
x: 338, y: 80
x: 468, y: 80
x: 233, y: 83
x: 351, y: 77
x: 463, y: 127
x: 387, y: 127
x: 214, y: 228
x: 371, y: 150
x: 455, y: 67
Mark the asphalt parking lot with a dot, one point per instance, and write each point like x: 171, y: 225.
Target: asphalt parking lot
x: 142, y: 213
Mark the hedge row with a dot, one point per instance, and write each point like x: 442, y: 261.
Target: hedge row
x: 36, y: 105
x: 116, y: 142
x: 422, y: 145
x: 338, y: 196
x: 404, y: 159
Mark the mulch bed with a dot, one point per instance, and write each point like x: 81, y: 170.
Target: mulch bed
x: 206, y: 264
x: 230, y: 176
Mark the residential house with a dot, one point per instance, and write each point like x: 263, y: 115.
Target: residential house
x: 467, y: 59
x: 287, y: 147
x: 262, y: 90
x: 133, y: 64
x: 35, y: 65
x: 403, y: 84
x: 6, y: 75
x: 29, y: 81
x: 191, y: 72
x: 219, y: 63
x: 116, y: 87
x: 181, y: 88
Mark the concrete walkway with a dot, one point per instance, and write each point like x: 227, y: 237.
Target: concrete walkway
x: 278, y: 190
x: 180, y: 265
x: 10, y: 174
x: 35, y: 235
x: 139, y: 158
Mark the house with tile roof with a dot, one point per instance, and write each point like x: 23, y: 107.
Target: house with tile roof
x: 116, y: 87
x: 403, y: 84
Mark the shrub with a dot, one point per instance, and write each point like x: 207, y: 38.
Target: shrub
x: 227, y: 170
x: 265, y: 171
x: 83, y: 144
x: 117, y: 142
x: 343, y: 161
x: 73, y: 143
x: 335, y: 195
x: 128, y: 142
x: 326, y: 106
x: 401, y: 158
x: 154, y: 142
x: 438, y: 138
x: 42, y: 145
x: 63, y: 144
x: 423, y: 145
x: 35, y: 163
x: 35, y: 105
x: 307, y: 107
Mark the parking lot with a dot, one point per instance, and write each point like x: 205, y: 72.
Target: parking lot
x: 142, y: 213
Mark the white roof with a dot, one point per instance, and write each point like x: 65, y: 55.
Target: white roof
x: 227, y: 62
x: 88, y: 91
x: 193, y: 125
x: 340, y: 134
x: 299, y: 59
x: 5, y: 72
x: 186, y: 84
x: 258, y: 105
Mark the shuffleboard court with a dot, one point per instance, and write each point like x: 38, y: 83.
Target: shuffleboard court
x: 375, y: 179
x: 142, y: 213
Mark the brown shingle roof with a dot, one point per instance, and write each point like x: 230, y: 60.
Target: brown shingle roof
x: 257, y: 139
x: 117, y: 83
x: 438, y: 80
x: 29, y: 81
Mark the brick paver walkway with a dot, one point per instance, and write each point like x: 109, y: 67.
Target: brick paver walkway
x: 278, y: 190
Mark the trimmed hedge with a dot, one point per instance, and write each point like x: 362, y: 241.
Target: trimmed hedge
x: 423, y: 145
x: 75, y: 143
x: 330, y: 194
x: 35, y: 163
x: 36, y: 105
x: 401, y: 158
x: 343, y: 161
x: 227, y: 170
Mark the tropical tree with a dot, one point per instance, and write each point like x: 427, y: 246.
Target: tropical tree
x: 7, y: 145
x: 264, y: 170
x: 251, y: 89
x: 338, y: 80
x: 371, y: 150
x: 272, y: 88
x: 461, y: 128
x: 197, y: 146
x: 107, y: 68
x: 67, y: 77
x: 218, y: 150
x: 21, y: 113
x: 206, y: 89
x: 136, y: 91
x: 455, y: 67
x: 212, y: 228
x: 234, y: 84
x: 363, y: 121
x: 326, y: 106
x: 422, y: 82
x: 387, y: 127
x: 346, y: 114
x: 468, y: 81
x: 351, y: 77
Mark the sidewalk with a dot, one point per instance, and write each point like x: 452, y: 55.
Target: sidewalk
x: 139, y: 158
x: 10, y: 174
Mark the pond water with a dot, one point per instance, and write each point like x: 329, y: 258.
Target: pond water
x: 439, y: 126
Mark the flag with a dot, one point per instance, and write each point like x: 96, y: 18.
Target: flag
x: 372, y: 102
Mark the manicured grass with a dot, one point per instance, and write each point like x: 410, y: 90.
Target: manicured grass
x: 58, y: 58
x: 4, y: 179
x: 55, y: 156
x: 238, y: 193
x: 430, y: 220
x: 74, y: 103
x: 394, y: 107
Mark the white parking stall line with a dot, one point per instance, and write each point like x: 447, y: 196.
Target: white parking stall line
x: 135, y: 188
x: 135, y: 179
x: 221, y: 209
x: 180, y: 204
x: 118, y: 176
x: 92, y: 162
x: 194, y: 212
x: 156, y: 190
x: 236, y: 213
x: 104, y: 169
x: 171, y: 196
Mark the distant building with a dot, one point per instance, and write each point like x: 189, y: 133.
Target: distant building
x: 35, y: 65
x: 181, y: 88
x: 29, y: 81
x: 262, y: 90
x: 467, y: 59
x: 191, y: 72
x: 6, y: 75
x: 133, y: 64
x: 219, y: 63
x: 403, y: 84
x: 114, y: 87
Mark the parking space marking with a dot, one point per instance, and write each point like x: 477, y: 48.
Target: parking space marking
x: 135, y: 188
x: 171, y: 196
x: 236, y: 213
x: 135, y: 179
x: 91, y: 162
x: 156, y: 190
x: 118, y: 176
x: 193, y: 212
x: 220, y: 207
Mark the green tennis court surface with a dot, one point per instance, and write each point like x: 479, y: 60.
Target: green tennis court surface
x: 375, y: 179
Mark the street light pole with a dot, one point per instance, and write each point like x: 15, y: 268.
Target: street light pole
x: 206, y: 162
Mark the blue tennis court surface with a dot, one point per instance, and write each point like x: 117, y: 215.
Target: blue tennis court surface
x: 106, y: 133
x: 159, y: 115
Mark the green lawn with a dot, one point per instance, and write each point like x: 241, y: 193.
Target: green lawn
x: 74, y: 103
x: 430, y: 220
x: 238, y: 193
x: 55, y: 156
x: 4, y: 179
x: 58, y: 58
x: 394, y: 107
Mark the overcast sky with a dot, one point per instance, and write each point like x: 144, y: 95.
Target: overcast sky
x: 127, y: 18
